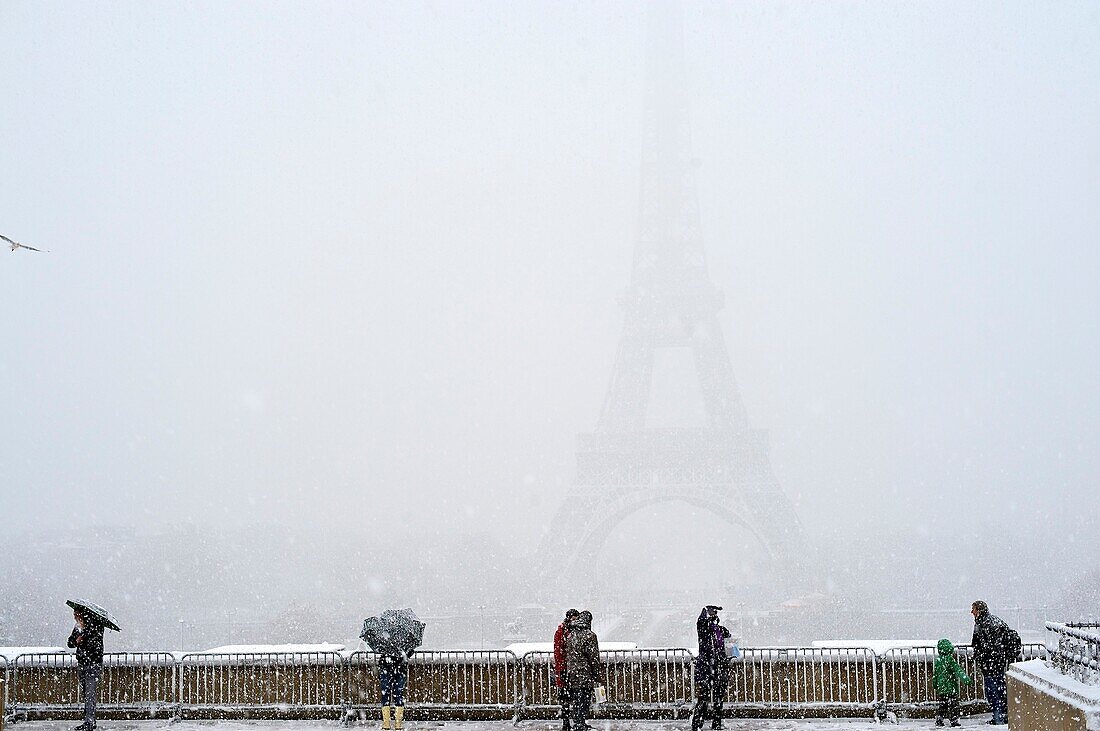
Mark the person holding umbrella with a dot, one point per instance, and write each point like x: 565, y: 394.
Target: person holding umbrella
x: 87, y: 639
x: 394, y: 635
x: 393, y: 678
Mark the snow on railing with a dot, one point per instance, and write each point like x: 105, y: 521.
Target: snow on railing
x: 1076, y: 650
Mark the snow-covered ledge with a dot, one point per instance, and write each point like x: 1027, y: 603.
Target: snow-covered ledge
x: 1042, y: 699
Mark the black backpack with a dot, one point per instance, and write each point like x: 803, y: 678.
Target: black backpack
x: 1014, y: 646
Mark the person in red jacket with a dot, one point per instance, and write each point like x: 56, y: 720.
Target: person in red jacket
x: 560, y: 637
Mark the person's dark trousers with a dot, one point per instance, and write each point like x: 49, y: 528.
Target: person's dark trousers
x: 948, y: 709
x: 996, y: 693
x: 580, y: 700
x: 563, y: 699
x: 717, y: 698
x: 392, y: 685
x: 703, y: 698
x: 89, y: 685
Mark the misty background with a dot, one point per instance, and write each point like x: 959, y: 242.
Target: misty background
x: 332, y: 288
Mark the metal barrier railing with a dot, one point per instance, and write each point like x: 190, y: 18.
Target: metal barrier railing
x: 144, y: 680
x: 537, y: 685
x: 651, y: 680
x: 801, y: 676
x: 476, y: 680
x: 495, y: 682
x: 644, y: 680
x: 48, y: 681
x: 261, y: 681
x: 361, y: 689
x: 1076, y: 650
x: 479, y: 680
x: 654, y: 679
x: 907, y: 675
x: 42, y: 681
x: 1034, y: 651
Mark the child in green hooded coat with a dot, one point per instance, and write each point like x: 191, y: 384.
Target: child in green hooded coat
x: 946, y: 674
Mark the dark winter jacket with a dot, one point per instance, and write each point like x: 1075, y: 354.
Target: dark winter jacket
x: 88, y: 643
x: 991, y: 644
x: 560, y: 638
x: 946, y: 671
x: 582, y: 654
x: 711, y: 664
x: 398, y: 665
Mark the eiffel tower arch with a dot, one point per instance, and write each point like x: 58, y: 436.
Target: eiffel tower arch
x: 723, y: 466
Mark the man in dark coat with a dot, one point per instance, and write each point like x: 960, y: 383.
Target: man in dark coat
x: 582, y: 668
x: 87, y: 639
x: 560, y: 638
x: 712, y: 669
x: 995, y: 646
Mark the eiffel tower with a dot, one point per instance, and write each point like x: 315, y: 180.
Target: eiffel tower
x: 722, y: 467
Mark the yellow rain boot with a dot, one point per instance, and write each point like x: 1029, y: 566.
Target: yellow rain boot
x: 386, y: 718
x: 398, y: 714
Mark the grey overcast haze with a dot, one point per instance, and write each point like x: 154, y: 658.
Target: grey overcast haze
x: 350, y: 273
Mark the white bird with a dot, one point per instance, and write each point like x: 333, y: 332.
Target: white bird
x: 16, y: 245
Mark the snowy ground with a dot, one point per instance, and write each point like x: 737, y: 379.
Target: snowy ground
x: 733, y: 724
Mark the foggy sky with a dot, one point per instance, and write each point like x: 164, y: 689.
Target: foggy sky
x: 357, y: 264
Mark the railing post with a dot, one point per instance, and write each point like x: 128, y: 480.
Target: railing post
x: 521, y: 683
x: 874, y: 676
x: 178, y: 682
x: 517, y: 692
x: 345, y: 688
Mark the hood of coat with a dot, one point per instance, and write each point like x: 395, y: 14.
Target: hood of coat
x: 945, y: 648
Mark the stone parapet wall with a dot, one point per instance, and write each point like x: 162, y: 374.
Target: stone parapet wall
x: 1042, y: 699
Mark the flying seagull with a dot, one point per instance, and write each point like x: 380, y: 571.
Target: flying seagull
x: 16, y: 245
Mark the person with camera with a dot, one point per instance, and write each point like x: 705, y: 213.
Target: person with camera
x: 712, y: 669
